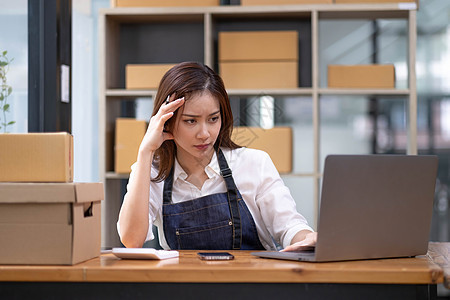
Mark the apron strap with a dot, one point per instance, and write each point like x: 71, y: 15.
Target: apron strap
x: 167, y: 191
x: 232, y: 192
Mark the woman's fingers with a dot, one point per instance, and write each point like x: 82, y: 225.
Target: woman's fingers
x: 167, y: 116
x: 164, y: 119
x: 166, y: 111
x: 155, y: 134
x: 172, y: 106
x: 307, y: 244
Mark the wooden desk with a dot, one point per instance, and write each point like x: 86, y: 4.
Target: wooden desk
x: 440, y: 254
x: 245, y: 277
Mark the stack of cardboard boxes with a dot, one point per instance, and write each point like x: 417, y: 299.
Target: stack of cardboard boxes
x: 259, y: 59
x: 45, y: 218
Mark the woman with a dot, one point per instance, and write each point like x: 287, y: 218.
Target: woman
x: 197, y: 186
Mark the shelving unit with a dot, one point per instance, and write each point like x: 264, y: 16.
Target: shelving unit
x: 124, y: 31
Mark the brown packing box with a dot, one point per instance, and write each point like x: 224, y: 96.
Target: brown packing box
x: 36, y: 157
x: 155, y: 3
x: 49, y: 223
x: 129, y: 134
x: 361, y: 76
x: 259, y: 75
x: 371, y: 1
x: 258, y: 45
x: 277, y: 142
x: 281, y: 2
x: 145, y: 76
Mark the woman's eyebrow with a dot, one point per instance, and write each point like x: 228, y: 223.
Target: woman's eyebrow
x: 196, y: 116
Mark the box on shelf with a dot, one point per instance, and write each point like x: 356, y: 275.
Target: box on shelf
x: 361, y: 76
x: 257, y: 75
x: 164, y: 3
x: 36, y: 157
x: 371, y: 1
x: 129, y: 134
x: 141, y: 76
x: 259, y: 59
x: 50, y: 223
x: 283, y: 2
x: 258, y: 45
x: 277, y: 142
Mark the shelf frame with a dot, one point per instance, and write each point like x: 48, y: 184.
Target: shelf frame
x: 110, y: 94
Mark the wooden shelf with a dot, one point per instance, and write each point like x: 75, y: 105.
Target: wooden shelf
x: 130, y: 93
x: 370, y: 11
x: 135, y: 35
x: 272, y: 92
x: 378, y: 92
x: 124, y: 93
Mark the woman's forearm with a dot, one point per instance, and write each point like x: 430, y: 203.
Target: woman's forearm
x: 134, y: 214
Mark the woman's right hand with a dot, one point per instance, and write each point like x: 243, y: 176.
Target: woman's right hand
x: 155, y: 134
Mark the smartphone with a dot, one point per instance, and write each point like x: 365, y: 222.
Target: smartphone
x: 215, y: 255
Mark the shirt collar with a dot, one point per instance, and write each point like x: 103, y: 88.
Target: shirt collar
x: 211, y: 170
x: 179, y: 172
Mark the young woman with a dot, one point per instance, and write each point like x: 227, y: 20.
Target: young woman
x: 196, y: 185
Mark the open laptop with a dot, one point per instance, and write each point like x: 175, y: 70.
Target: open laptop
x: 372, y: 206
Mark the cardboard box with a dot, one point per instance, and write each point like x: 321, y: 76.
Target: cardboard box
x: 277, y: 142
x: 281, y: 2
x: 50, y: 223
x: 165, y: 3
x: 129, y: 135
x: 258, y: 45
x: 36, y: 157
x: 371, y: 1
x: 361, y: 76
x: 145, y: 76
x: 259, y: 59
x: 259, y: 75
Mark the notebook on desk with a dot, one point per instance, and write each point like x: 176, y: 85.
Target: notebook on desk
x: 372, y: 206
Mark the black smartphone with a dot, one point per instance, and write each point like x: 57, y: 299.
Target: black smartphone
x: 215, y: 255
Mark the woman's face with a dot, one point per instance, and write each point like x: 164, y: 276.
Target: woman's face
x: 197, y: 127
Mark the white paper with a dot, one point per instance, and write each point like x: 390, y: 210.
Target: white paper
x: 65, y: 83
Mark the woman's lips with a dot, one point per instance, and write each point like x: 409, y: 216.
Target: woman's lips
x: 202, y: 147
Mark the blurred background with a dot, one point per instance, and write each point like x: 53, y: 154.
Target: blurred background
x: 348, y: 124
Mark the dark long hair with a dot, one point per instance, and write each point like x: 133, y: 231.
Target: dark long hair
x: 184, y: 80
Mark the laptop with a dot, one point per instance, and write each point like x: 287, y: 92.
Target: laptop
x: 372, y: 206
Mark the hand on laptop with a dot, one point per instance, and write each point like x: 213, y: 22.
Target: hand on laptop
x: 307, y: 243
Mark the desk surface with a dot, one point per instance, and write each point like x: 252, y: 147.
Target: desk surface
x: 244, y: 268
x: 440, y: 254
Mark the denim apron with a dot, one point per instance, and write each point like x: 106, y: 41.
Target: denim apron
x: 213, y: 222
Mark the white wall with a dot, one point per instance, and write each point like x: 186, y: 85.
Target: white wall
x: 14, y: 40
x: 85, y: 88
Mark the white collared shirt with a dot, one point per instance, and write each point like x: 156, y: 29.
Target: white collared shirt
x: 268, y: 199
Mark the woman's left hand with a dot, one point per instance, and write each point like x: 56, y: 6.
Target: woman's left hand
x: 305, y: 244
